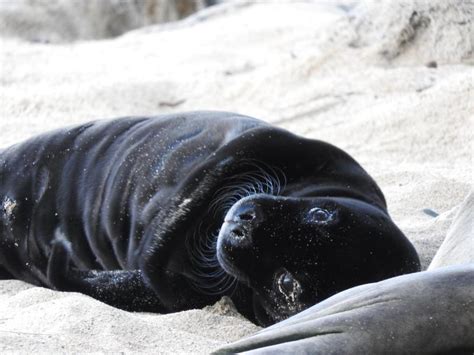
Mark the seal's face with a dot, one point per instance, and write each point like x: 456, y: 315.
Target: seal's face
x: 295, y: 252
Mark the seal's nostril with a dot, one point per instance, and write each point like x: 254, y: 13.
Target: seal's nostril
x: 246, y: 216
x: 238, y: 232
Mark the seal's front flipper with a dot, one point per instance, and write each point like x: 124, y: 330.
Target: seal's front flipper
x: 58, y: 266
x: 124, y: 289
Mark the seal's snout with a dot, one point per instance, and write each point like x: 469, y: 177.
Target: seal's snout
x: 245, y: 213
x: 235, y: 242
x: 238, y: 233
x: 241, y: 221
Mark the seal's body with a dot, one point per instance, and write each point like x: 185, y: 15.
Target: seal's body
x: 170, y: 213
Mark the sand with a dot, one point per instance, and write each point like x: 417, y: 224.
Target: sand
x: 389, y: 82
x: 62, y: 21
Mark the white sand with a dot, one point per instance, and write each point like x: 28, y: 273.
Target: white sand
x: 358, y: 80
x: 60, y: 21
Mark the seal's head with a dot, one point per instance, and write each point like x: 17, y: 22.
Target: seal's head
x: 295, y: 252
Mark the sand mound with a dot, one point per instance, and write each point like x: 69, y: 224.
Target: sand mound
x: 416, y: 32
x: 389, y: 82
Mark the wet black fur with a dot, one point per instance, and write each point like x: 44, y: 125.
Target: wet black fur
x: 107, y: 208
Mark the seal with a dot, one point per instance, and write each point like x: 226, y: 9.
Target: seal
x: 170, y: 213
x: 457, y: 247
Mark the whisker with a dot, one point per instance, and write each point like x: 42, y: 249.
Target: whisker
x: 209, y: 277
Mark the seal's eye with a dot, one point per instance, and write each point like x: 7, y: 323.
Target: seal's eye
x: 287, y: 284
x: 320, y: 215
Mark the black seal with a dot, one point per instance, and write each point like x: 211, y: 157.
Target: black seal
x: 172, y: 212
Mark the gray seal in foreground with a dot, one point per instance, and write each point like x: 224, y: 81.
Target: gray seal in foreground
x: 170, y: 213
x: 458, y: 246
x: 428, y: 312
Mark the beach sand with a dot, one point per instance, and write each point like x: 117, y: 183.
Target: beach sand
x: 389, y: 82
